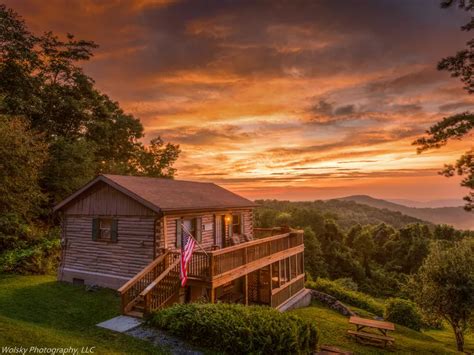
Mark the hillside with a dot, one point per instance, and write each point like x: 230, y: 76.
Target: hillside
x: 455, y: 216
x: 345, y: 213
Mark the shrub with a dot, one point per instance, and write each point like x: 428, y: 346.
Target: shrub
x: 403, y: 312
x: 353, y: 298
x: 37, y: 256
x: 347, y: 283
x: 238, y: 329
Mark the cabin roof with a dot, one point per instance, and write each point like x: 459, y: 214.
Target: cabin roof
x: 164, y: 195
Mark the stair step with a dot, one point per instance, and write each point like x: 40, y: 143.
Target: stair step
x: 135, y: 314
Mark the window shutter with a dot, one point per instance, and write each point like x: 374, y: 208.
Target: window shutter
x: 241, y: 224
x: 95, y: 228
x: 198, y: 229
x: 114, y: 230
x: 179, y: 233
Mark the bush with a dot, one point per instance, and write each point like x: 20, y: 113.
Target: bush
x: 237, y: 329
x: 353, y: 298
x: 403, y: 312
x: 347, y: 283
x: 36, y: 256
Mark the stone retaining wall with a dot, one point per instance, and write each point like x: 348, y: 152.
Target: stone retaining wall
x: 332, y: 303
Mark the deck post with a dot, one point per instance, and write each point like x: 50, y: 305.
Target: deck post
x: 213, y: 294
x: 246, y: 289
x: 271, y: 284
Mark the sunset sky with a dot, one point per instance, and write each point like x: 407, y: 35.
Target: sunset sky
x: 280, y: 99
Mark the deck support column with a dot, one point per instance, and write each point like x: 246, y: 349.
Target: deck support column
x: 246, y: 289
x: 213, y: 294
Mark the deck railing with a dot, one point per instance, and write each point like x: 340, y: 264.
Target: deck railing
x: 287, y: 291
x: 228, y: 259
x: 214, y: 264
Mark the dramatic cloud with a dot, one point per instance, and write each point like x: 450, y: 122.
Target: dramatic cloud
x: 287, y: 99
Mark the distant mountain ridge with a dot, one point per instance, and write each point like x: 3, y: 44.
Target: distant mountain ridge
x: 428, y: 204
x: 455, y: 216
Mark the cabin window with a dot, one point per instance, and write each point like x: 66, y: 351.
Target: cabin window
x: 237, y: 224
x: 192, y: 225
x: 104, y: 229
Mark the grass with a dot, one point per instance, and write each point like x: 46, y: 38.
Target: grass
x: 38, y: 311
x: 333, y: 327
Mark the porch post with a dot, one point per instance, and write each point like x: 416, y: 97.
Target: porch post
x: 246, y: 289
x: 213, y: 294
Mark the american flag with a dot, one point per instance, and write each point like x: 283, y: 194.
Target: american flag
x: 188, y: 247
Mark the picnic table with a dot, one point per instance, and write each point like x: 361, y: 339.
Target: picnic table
x: 364, y: 336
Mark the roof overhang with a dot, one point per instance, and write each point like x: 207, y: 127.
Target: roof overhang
x: 142, y: 201
x: 104, y: 179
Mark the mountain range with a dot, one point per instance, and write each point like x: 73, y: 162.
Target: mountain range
x: 455, y: 216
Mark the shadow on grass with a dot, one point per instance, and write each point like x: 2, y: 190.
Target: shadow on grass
x: 42, y: 300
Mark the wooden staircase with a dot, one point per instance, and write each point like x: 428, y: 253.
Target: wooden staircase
x: 153, y: 287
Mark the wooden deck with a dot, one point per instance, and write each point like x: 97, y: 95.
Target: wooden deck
x: 220, y: 267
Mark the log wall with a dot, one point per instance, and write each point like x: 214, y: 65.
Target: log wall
x: 166, y: 232
x: 130, y: 254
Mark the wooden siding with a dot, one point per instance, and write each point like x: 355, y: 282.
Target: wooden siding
x: 166, y: 233
x: 132, y: 252
x: 103, y: 199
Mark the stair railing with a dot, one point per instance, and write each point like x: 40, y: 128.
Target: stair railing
x: 130, y: 291
x: 164, y: 287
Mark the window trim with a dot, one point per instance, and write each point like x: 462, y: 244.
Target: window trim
x: 239, y: 224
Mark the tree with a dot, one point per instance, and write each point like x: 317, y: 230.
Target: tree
x: 87, y: 132
x: 70, y: 165
x: 157, y: 159
x: 460, y: 125
x: 314, y: 262
x: 23, y: 153
x: 406, y: 249
x: 365, y: 247
x: 444, y: 285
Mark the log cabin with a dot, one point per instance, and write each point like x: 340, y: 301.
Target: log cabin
x: 126, y: 233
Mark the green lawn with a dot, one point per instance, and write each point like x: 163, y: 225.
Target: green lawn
x: 38, y: 311
x: 333, y: 328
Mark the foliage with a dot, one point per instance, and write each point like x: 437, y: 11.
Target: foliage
x: 237, y: 329
x: 314, y: 214
x: 377, y: 258
x: 23, y: 153
x: 39, y: 258
x: 70, y: 165
x: 353, y: 298
x: 402, y: 312
x: 41, y: 80
x: 57, y: 132
x: 444, y: 285
x: 313, y: 257
x: 347, y: 283
x: 459, y: 125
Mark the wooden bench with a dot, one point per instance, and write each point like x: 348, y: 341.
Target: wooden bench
x: 372, y: 338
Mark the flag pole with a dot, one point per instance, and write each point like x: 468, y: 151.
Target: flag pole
x: 189, y: 233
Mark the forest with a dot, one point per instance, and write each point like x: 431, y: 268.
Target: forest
x: 368, y: 249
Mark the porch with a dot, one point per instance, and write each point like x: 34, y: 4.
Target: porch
x: 268, y: 270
